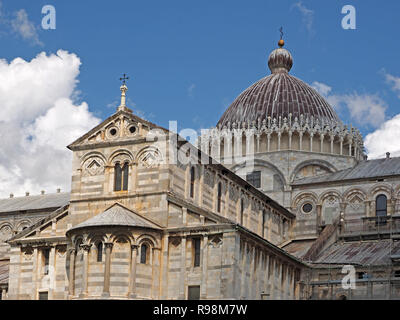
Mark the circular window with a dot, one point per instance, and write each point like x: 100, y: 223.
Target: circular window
x: 132, y: 129
x: 307, y: 207
x: 113, y: 131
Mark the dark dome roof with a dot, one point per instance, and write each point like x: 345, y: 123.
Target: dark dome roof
x: 278, y: 94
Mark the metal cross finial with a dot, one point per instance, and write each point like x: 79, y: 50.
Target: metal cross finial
x: 124, y: 78
x: 281, y: 31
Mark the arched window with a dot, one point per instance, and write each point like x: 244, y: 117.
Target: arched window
x: 121, y: 177
x: 263, y: 223
x: 381, y: 208
x: 219, y: 197
x: 100, y: 252
x: 192, y: 182
x: 143, y: 253
x: 241, y: 211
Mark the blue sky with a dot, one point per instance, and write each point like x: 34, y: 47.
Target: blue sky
x: 187, y: 61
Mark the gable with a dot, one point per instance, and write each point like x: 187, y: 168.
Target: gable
x: 121, y: 127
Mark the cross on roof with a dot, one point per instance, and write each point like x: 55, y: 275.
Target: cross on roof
x: 124, y: 78
x: 281, y: 31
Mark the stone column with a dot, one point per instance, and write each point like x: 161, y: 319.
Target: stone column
x: 52, y: 271
x: 280, y: 275
x: 290, y: 140
x: 86, y: 248
x: 204, y: 264
x: 319, y: 216
x: 258, y: 142
x: 311, y: 140
x: 268, y: 141
x: 164, y: 269
x: 332, y: 138
x: 322, y: 143
x: 36, y: 271
x: 267, y: 289
x: 3, y: 294
x: 71, y: 287
x: 350, y: 144
x: 341, y: 146
x: 301, y: 141
x: 183, y: 269
x: 107, y: 269
x: 279, y: 141
x: 252, y: 275
x: 132, y: 280
x: 243, y: 271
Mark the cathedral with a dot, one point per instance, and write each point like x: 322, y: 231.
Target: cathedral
x: 277, y: 201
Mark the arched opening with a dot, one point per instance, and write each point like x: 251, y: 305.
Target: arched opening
x: 381, y: 209
x: 219, y: 195
x: 192, y: 172
x: 99, y: 252
x: 144, y: 250
x: 121, y: 177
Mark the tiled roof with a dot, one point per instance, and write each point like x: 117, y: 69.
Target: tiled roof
x: 363, y: 253
x: 117, y: 215
x: 51, y: 200
x: 364, y: 169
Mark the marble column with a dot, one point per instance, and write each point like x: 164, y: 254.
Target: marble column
x: 52, y: 271
x: 183, y: 269
x: 86, y: 248
x: 71, y: 287
x: 204, y: 264
x: 132, y: 280
x: 107, y: 269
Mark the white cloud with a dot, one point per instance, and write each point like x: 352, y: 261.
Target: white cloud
x: 191, y: 89
x: 307, y: 16
x: 322, y: 88
x: 364, y: 109
x: 385, y: 139
x: 39, y: 118
x: 18, y: 23
x: 25, y: 28
x: 394, y: 81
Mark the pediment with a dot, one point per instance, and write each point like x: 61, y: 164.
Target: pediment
x: 121, y: 127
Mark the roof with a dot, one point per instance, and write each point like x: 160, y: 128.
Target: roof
x: 363, y: 170
x: 117, y: 215
x: 299, y: 248
x: 4, y: 271
x: 51, y: 200
x: 278, y: 95
x: 363, y: 253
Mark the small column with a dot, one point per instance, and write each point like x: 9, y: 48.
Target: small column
x: 71, y: 287
x: 322, y: 143
x: 268, y: 142
x: 341, y: 146
x: 107, y: 269
x: 267, y: 287
x: 243, y: 272
x: 350, y: 144
x: 86, y: 248
x: 204, y: 264
x: 164, y: 269
x: 258, y: 142
x: 301, y: 141
x: 3, y: 294
x: 279, y: 141
x: 132, y: 281
x: 36, y: 270
x: 332, y: 139
x: 290, y: 140
x: 311, y: 140
x: 183, y: 269
x: 52, y: 271
x: 280, y: 275
x: 252, y: 275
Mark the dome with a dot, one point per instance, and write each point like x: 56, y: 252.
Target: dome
x: 278, y: 95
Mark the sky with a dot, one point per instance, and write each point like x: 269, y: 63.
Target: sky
x: 187, y: 61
